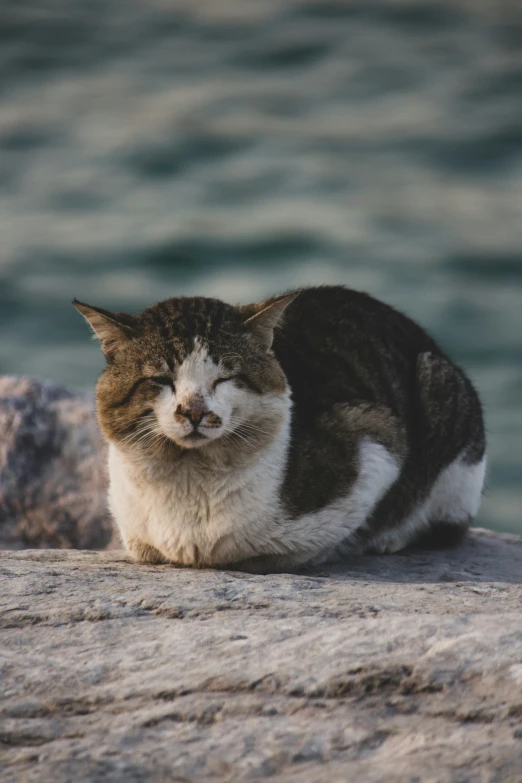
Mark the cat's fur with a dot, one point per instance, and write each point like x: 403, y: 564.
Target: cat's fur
x: 307, y: 427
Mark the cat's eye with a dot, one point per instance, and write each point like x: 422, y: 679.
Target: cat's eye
x: 162, y: 380
x: 222, y: 380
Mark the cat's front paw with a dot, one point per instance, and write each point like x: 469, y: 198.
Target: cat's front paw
x: 144, y: 553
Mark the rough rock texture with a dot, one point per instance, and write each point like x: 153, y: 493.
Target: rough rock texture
x: 400, y: 668
x: 52, y: 468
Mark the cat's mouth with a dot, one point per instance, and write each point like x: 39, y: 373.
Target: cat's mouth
x: 195, y: 437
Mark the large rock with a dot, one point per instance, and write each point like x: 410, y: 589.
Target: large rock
x: 399, y: 668
x: 52, y: 468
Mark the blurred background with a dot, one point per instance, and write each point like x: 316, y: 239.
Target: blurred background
x: 152, y: 148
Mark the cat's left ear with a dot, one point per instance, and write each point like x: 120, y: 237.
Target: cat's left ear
x: 266, y: 317
x: 113, y: 330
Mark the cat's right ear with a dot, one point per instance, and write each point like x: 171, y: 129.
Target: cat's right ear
x: 113, y: 330
x: 267, y: 315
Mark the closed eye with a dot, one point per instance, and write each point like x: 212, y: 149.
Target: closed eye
x: 162, y: 380
x: 242, y: 381
x: 223, y: 380
x: 159, y: 380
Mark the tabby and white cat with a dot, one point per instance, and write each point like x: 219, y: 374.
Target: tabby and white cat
x: 310, y: 426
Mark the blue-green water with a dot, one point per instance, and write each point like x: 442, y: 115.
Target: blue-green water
x: 149, y: 149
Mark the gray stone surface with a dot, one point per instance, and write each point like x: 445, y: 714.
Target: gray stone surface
x: 52, y: 468
x: 399, y: 668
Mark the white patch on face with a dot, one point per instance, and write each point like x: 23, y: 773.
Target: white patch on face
x: 196, y: 389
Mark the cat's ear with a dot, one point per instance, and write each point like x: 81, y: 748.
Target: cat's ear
x: 112, y: 329
x: 266, y: 317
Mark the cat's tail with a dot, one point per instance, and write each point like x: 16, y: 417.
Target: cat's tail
x: 449, y: 415
x: 439, y: 490
x: 453, y: 452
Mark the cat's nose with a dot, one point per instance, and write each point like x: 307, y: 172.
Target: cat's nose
x: 194, y: 415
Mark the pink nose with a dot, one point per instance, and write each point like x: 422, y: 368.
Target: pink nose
x: 195, y: 415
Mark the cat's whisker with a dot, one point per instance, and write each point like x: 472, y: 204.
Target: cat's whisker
x: 248, y: 441
x: 241, y: 432
x: 144, y: 437
x: 249, y: 425
x: 139, y: 430
x: 229, y: 441
x: 253, y: 428
x: 149, y: 422
x: 138, y: 434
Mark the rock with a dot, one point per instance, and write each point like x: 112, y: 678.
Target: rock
x: 398, y: 668
x: 52, y: 468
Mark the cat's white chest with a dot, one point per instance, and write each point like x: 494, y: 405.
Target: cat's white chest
x: 193, y: 517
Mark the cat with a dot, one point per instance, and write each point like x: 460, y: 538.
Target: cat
x: 306, y: 428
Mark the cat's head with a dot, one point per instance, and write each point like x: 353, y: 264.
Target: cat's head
x: 189, y: 372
